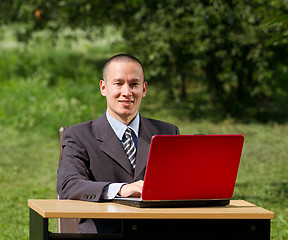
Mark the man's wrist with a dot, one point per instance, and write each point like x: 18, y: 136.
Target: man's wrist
x: 112, y: 190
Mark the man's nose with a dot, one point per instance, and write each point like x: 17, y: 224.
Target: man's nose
x: 126, y: 90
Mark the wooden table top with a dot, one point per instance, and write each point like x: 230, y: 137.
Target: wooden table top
x: 53, y: 208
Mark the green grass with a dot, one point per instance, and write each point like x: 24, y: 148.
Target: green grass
x: 29, y: 161
x: 28, y: 168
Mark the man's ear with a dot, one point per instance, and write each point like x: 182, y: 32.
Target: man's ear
x: 144, y: 89
x: 103, y: 88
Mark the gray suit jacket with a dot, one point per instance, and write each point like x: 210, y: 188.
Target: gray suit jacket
x: 93, y: 157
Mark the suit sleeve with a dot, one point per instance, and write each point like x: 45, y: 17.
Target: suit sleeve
x: 177, y: 131
x: 74, y: 177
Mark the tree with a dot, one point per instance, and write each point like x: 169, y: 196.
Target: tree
x: 224, y: 43
x: 223, y: 40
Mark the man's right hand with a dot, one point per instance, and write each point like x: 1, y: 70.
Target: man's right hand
x: 132, y: 190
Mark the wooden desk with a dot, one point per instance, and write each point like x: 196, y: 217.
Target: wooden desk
x: 239, y: 220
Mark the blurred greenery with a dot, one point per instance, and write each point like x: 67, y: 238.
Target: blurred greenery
x: 42, y: 82
x: 211, y: 66
x: 235, y: 49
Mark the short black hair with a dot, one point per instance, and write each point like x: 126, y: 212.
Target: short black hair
x: 123, y: 57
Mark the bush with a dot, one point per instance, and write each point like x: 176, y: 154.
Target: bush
x: 45, y: 85
x: 32, y: 104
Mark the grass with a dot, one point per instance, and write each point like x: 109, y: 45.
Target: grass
x: 29, y: 162
x: 28, y: 170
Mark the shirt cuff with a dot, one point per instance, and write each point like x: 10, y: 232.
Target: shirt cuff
x: 112, y: 190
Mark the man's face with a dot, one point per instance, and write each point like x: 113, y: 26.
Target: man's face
x: 124, y: 88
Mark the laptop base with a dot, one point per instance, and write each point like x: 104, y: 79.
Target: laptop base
x: 179, y: 203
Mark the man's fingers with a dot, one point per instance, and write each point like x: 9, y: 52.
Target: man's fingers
x: 132, y: 189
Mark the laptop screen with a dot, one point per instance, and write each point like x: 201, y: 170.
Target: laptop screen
x: 189, y: 167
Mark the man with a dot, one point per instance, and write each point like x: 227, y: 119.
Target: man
x: 95, y: 165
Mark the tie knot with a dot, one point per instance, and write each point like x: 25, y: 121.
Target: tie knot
x: 128, y: 132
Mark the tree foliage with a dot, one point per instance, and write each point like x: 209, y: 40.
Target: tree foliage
x: 228, y: 46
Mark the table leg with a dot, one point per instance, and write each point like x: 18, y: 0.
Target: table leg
x: 38, y: 226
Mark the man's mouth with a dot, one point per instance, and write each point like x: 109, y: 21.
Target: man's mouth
x: 126, y: 102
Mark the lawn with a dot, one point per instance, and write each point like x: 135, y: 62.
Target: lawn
x: 29, y: 161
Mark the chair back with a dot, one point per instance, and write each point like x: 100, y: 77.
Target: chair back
x: 66, y: 225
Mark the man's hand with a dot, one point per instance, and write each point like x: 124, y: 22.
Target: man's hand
x: 132, y: 190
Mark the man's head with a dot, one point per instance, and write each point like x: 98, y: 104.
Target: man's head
x: 123, y: 86
x: 122, y: 58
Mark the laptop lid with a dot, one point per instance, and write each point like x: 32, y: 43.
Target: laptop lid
x: 192, y: 167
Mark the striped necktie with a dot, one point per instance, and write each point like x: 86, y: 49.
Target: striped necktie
x: 129, y: 148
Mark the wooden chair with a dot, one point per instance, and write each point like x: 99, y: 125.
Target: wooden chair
x: 66, y: 225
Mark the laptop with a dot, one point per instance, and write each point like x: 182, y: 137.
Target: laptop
x: 189, y: 170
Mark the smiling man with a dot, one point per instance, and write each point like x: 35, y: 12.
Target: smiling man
x: 124, y: 87
x: 106, y: 157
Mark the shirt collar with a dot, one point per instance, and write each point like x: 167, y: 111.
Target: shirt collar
x: 119, y: 128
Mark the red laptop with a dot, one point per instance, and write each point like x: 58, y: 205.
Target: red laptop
x: 190, y: 170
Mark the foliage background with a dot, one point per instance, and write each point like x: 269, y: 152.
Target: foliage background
x: 211, y: 66
x: 229, y: 47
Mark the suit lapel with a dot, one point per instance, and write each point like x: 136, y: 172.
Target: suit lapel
x: 111, y: 145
